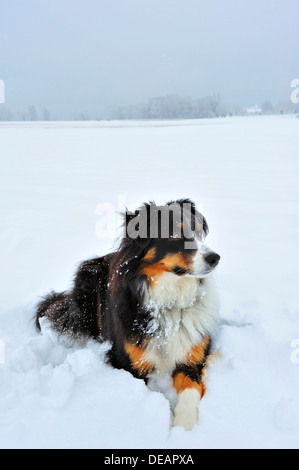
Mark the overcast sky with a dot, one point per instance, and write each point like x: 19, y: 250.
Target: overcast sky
x: 85, y: 55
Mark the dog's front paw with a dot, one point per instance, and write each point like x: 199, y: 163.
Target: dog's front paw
x: 186, y: 411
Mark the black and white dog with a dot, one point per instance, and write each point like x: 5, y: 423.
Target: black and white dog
x: 153, y: 299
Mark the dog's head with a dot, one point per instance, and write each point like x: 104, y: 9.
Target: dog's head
x: 169, y: 238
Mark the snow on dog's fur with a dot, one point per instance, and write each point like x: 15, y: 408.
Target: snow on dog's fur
x: 153, y: 299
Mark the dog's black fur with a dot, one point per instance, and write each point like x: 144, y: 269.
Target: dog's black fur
x: 108, y: 298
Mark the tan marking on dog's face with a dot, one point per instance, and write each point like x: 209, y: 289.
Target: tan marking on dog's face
x: 167, y: 264
x: 150, y: 255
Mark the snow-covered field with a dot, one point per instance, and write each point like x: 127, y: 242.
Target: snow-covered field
x: 55, y: 177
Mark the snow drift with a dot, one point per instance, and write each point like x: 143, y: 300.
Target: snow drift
x: 243, y: 173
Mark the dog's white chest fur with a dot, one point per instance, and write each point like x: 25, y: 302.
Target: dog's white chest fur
x: 184, y: 310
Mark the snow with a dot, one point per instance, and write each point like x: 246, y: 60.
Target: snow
x: 243, y: 173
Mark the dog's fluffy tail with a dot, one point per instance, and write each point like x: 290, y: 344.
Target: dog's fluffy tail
x: 68, y: 315
x: 47, y: 306
x: 78, y: 312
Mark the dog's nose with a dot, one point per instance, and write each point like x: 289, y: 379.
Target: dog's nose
x: 212, y: 259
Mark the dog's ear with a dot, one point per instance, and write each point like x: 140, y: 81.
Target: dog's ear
x: 201, y: 227
x: 198, y: 221
x: 205, y: 226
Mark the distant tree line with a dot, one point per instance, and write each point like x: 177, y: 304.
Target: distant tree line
x: 178, y: 107
x: 28, y: 114
x: 175, y: 107
x: 163, y: 107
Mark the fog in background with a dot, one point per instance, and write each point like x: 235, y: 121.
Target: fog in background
x: 68, y: 58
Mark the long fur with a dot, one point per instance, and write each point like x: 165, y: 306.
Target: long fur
x: 153, y: 301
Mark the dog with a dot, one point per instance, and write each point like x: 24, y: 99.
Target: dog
x: 153, y: 299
